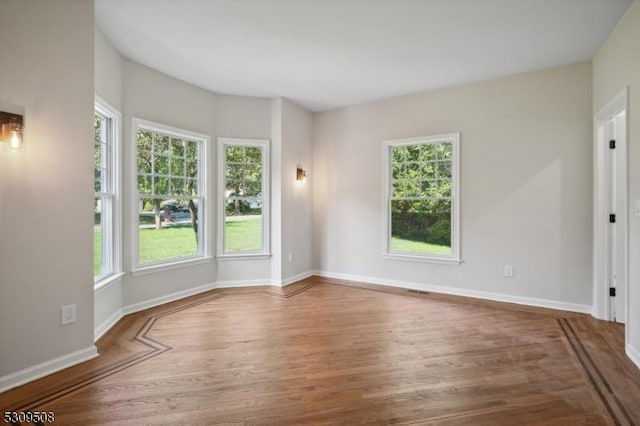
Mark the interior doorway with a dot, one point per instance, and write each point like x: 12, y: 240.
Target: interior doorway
x: 611, y: 212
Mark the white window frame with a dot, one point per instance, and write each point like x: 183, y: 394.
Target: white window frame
x: 264, y: 252
x: 112, y: 249
x: 454, y: 257
x: 203, y: 199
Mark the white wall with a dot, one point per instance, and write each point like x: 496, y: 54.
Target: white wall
x: 296, y: 196
x: 108, y: 71
x: 108, y: 86
x: 526, y: 179
x: 46, y: 190
x: 525, y: 185
x: 291, y: 211
x: 154, y: 96
x: 276, y: 190
x: 617, y: 65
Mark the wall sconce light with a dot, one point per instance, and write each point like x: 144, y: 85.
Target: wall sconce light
x: 12, y: 130
x: 300, y: 174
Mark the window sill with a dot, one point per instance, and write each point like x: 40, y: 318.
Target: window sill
x: 250, y: 256
x: 424, y: 259
x: 107, y: 281
x: 151, y: 269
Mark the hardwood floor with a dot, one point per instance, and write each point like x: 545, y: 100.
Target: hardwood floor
x: 326, y: 351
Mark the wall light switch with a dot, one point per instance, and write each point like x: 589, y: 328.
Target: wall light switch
x: 508, y: 271
x: 68, y: 314
x: 637, y: 207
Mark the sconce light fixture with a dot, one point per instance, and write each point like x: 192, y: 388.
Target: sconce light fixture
x: 300, y: 174
x: 12, y: 130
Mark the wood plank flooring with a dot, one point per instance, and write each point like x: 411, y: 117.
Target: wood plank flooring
x: 326, y: 351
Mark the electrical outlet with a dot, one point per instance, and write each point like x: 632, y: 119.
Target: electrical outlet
x: 68, y: 314
x: 290, y: 258
x: 508, y: 271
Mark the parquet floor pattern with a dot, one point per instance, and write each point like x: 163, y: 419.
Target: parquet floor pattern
x: 325, y: 351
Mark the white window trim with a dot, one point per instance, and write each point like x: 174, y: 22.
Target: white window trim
x: 203, y: 207
x: 454, y: 258
x: 103, y: 107
x: 265, y: 252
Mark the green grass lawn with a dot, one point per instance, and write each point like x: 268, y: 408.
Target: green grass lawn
x: 417, y: 247
x: 244, y: 235
x: 97, y: 252
x: 179, y: 241
x: 167, y: 243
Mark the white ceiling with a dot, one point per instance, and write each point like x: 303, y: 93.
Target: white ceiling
x: 325, y: 54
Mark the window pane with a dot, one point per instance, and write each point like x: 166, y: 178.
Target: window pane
x: 178, y: 186
x: 413, y: 152
x: 177, y: 167
x: 192, y: 169
x: 427, y: 170
x: 428, y: 152
x: 253, y: 155
x: 192, y: 187
x: 443, y: 189
x: 234, y: 154
x: 191, y: 150
x: 243, y: 226
x: 161, y: 144
x: 235, y: 171
x: 177, y: 147
x: 97, y: 179
x: 144, y: 185
x: 161, y: 165
x: 253, y: 172
x: 98, y: 232
x: 161, y: 185
x: 253, y: 187
x: 144, y: 162
x: 415, y: 169
x: 399, y: 189
x: 421, y: 227
x: 144, y: 141
x: 234, y: 188
x: 444, y: 151
x: 243, y: 217
x: 97, y: 155
x: 443, y: 169
x: 168, y: 229
x: 97, y: 127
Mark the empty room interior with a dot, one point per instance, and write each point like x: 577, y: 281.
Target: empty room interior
x: 320, y: 212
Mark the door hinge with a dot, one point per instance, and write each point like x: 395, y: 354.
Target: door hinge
x: 612, y: 291
x: 612, y: 218
x: 612, y: 144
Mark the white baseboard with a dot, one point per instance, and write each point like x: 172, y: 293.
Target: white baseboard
x: 21, y: 377
x: 528, y: 301
x: 140, y: 306
x: 633, y: 354
x: 242, y: 283
x: 294, y: 279
x: 106, y: 325
x: 156, y: 301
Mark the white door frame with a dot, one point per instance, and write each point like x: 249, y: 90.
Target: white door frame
x: 601, y: 207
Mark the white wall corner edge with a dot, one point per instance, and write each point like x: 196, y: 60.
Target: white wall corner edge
x: 454, y: 291
x: 106, y: 325
x: 37, y: 371
x: 295, y: 278
x: 156, y: 301
x: 633, y: 354
x: 243, y: 283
